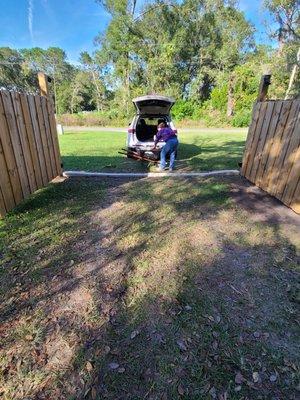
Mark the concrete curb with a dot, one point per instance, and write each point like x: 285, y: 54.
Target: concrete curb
x: 223, y: 172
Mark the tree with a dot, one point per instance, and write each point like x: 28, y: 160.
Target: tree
x: 91, y: 67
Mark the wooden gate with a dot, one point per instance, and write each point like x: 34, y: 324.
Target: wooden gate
x: 272, y: 153
x: 29, y: 150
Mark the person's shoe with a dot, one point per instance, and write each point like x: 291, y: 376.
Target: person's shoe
x: 158, y: 169
x: 171, y: 169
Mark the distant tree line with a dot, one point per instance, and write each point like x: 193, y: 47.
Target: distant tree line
x: 202, y: 52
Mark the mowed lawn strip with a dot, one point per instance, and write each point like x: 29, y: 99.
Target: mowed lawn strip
x: 98, y: 151
x: 139, y: 289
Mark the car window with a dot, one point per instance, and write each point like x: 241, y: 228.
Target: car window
x: 152, y: 121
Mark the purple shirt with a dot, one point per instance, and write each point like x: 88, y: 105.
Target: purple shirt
x: 164, y: 135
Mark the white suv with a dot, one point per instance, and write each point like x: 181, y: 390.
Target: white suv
x: 150, y: 111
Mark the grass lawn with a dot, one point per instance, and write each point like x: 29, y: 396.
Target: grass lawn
x: 147, y: 289
x: 98, y: 151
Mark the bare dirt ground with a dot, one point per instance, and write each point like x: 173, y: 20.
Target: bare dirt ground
x: 139, y: 289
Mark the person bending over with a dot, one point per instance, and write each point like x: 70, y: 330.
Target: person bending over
x: 166, y: 134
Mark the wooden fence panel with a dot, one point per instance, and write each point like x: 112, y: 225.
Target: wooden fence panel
x: 29, y: 150
x: 272, y: 153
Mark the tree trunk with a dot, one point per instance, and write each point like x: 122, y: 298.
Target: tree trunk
x: 230, y: 97
x: 294, y: 75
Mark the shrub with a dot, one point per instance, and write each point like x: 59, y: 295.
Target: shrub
x: 242, y: 118
x: 218, y: 98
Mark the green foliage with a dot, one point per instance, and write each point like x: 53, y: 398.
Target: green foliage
x: 219, y: 97
x: 242, y: 118
x: 183, y: 109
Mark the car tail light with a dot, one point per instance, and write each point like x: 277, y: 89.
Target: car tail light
x: 131, y: 130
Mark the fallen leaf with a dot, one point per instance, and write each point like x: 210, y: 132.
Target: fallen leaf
x: 215, y: 345
x: 29, y: 337
x: 181, y: 345
x: 256, y: 335
x: 188, y: 308
x: 89, y: 367
x: 255, y: 376
x: 239, y: 378
x: 113, y: 365
x: 273, y: 378
x: 180, y: 390
x: 238, y: 388
x: 121, y: 370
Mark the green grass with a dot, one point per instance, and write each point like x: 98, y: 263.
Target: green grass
x: 98, y: 151
x: 168, y: 278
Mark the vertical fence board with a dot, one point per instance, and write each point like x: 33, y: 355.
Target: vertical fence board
x: 5, y: 184
x: 256, y: 134
x: 9, y: 155
x: 24, y: 141
x: 289, y: 160
x: 261, y: 141
x: 15, y: 139
x: 250, y: 136
x: 268, y: 143
x: 268, y: 177
x: 29, y: 152
x: 50, y: 109
x: 31, y: 141
x: 295, y: 203
x: 42, y: 129
x: 272, y: 156
x: 2, y: 205
x: 293, y: 180
x: 48, y: 135
x: 285, y: 140
x: 38, y: 140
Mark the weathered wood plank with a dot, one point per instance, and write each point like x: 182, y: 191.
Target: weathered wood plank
x: 268, y: 145
x: 5, y: 184
x: 31, y: 140
x: 38, y: 140
x: 9, y: 157
x: 256, y: 135
x: 261, y: 141
x: 250, y: 137
x: 43, y: 135
x: 289, y: 160
x: 24, y: 140
x: 49, y: 136
x: 50, y: 109
x: 284, y: 143
x: 16, y: 144
x: 269, y: 178
x: 295, y: 203
x: 293, y: 179
x: 2, y: 205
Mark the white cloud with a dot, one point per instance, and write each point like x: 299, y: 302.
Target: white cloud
x: 30, y: 19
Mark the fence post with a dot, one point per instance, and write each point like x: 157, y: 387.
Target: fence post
x: 43, y: 84
x: 265, y: 82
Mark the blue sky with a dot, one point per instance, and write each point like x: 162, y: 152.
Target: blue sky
x: 71, y: 24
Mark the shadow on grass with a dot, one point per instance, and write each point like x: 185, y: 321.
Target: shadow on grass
x: 204, y: 157
x: 142, y: 289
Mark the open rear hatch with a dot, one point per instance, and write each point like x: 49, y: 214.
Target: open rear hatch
x: 153, y: 105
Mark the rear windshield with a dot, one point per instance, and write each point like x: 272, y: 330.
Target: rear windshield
x: 146, y: 127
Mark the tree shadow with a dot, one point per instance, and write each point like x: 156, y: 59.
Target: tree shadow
x: 158, y: 295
